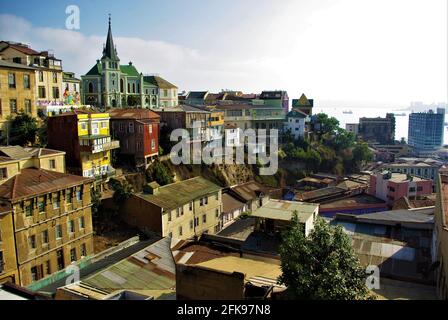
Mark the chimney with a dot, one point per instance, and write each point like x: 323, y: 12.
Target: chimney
x: 151, y: 188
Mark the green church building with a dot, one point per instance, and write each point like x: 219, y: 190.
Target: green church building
x: 109, y: 84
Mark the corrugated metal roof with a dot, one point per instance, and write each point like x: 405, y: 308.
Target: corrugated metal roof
x: 32, y: 181
x: 283, y: 210
x: 152, y: 268
x: 177, y: 194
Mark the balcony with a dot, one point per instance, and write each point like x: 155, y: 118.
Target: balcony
x: 98, y: 144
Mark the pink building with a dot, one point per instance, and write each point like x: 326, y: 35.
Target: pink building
x: 390, y: 186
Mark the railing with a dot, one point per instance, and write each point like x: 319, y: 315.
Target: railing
x: 95, y: 148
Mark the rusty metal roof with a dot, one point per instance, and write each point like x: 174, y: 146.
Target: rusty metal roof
x: 229, y: 203
x: 32, y: 182
x: 138, y: 114
x: 250, y: 190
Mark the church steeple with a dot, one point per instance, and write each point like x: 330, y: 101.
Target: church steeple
x: 109, y: 50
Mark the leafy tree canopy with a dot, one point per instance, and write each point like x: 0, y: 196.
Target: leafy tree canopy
x: 321, y: 266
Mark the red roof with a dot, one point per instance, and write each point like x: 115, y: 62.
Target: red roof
x: 34, y: 181
x: 23, y: 49
x: 138, y: 114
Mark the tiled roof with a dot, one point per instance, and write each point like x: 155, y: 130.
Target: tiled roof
x: 159, y: 82
x: 138, y: 114
x: 180, y: 193
x: 34, y: 181
x: 38, y: 152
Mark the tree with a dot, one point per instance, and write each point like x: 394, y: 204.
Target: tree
x: 23, y: 130
x: 321, y: 266
x: 96, y: 202
x: 362, y: 154
x: 122, y: 191
x: 158, y: 172
x: 327, y: 124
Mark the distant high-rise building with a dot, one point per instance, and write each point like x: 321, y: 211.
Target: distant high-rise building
x: 425, y: 130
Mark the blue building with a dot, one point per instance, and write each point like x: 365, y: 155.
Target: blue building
x: 425, y: 132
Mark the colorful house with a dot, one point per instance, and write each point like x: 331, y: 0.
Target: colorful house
x: 86, y: 139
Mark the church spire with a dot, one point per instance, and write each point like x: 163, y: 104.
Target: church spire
x: 110, y: 50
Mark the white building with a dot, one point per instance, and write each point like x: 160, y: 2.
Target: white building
x: 295, y: 123
x: 352, y: 127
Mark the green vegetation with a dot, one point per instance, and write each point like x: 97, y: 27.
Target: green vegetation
x: 122, y: 191
x: 160, y: 173
x: 332, y: 149
x: 321, y: 266
x: 23, y: 130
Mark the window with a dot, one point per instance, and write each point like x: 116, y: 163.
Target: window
x: 41, y: 76
x: 204, y: 218
x: 73, y: 255
x: 69, y: 196
x: 196, y: 222
x: 13, y: 105
x: 217, y: 196
x: 32, y: 242
x: 17, y: 60
x: 57, y: 202
x: 12, y: 80
x: 169, y: 216
x: 217, y: 213
x: 55, y: 93
x: 180, y: 212
x: 83, y: 250
x: 191, y: 224
x: 79, y: 195
x: 153, y: 144
x: 419, y: 189
x: 52, y: 164
x: 41, y: 206
x: 412, y: 189
x: 180, y: 231
x: 60, y: 259
x: 58, y: 231
x: 34, y: 275
x: 28, y: 106
x: 165, y: 93
x: 103, y: 125
x: 90, y: 87
x: 170, y: 234
x: 42, y: 94
x: 47, y: 267
x: 81, y: 223
x: 28, y: 211
x: 191, y: 206
x: 2, y: 262
x: 131, y: 127
x: 3, y: 173
x: 45, y: 237
x: 71, y: 226
x: 26, y: 81
x: 150, y: 128
x: 206, y: 200
x: 55, y: 77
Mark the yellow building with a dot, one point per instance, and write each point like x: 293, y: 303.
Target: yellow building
x: 48, y: 70
x: 46, y: 222
x: 179, y: 210
x: 86, y: 139
x: 17, y: 93
x: 15, y: 158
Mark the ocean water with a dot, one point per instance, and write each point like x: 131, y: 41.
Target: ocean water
x: 401, y: 122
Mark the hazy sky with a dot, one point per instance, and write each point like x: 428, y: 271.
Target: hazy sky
x: 383, y: 53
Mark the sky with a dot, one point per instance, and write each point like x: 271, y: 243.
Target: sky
x: 342, y: 53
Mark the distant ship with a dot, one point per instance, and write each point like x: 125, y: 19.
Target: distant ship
x: 400, y: 114
x: 347, y: 112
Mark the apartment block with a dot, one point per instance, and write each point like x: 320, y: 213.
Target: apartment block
x: 15, y: 158
x: 46, y: 224
x: 86, y: 139
x: 390, y: 186
x: 138, y: 133
x: 180, y: 210
x: 17, y: 93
